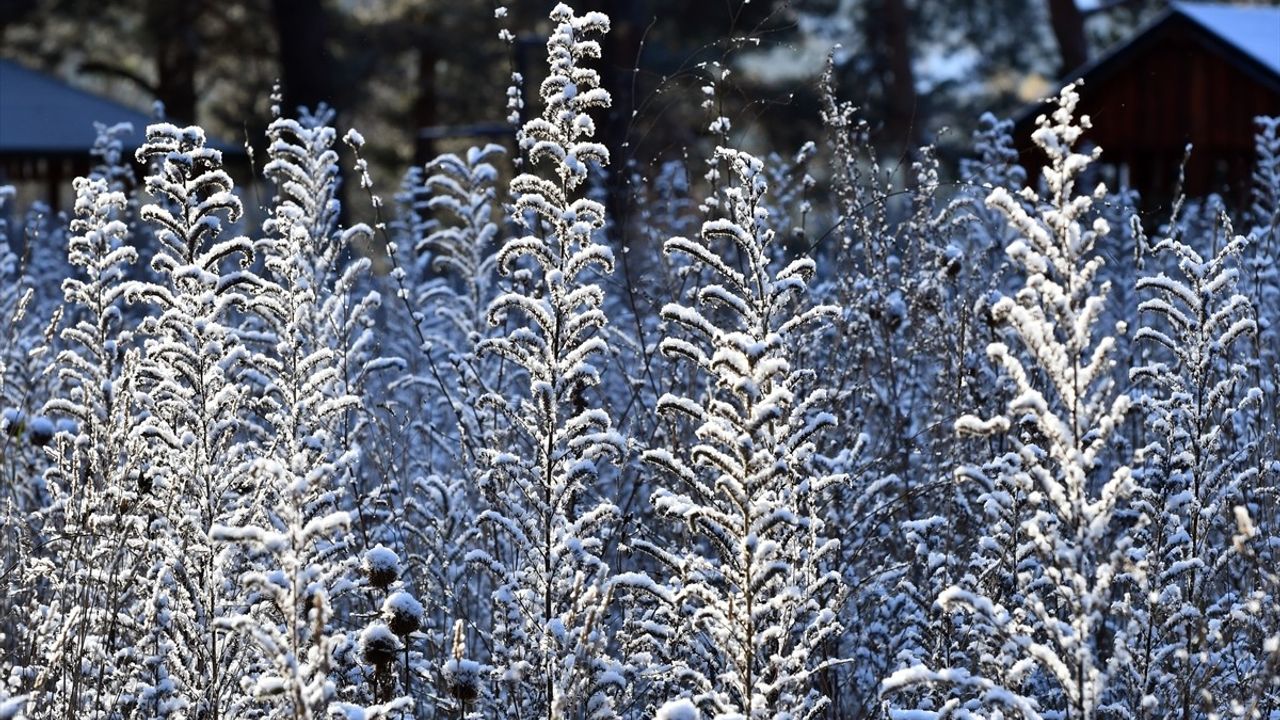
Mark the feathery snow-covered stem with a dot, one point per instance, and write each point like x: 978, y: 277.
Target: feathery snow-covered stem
x: 1199, y: 467
x: 1065, y: 413
x: 193, y: 369
x: 552, y: 591
x: 748, y: 488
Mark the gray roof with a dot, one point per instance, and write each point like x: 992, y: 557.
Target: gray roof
x: 1253, y: 29
x: 40, y: 114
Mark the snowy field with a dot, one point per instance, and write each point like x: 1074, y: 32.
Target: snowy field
x: 823, y: 441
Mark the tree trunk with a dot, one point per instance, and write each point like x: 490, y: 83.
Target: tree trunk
x: 425, y: 112
x: 899, y: 76
x: 1068, y: 29
x: 173, y: 29
x: 619, y: 56
x: 302, y: 29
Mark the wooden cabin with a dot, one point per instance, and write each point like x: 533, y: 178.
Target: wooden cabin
x: 1199, y: 73
x: 47, y: 130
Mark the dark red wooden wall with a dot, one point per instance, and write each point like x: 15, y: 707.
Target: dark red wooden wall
x: 1177, y: 84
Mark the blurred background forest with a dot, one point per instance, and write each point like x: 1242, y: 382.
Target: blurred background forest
x: 420, y: 76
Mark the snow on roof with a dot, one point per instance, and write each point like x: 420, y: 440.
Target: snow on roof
x: 1250, y: 30
x: 1253, y: 29
x: 42, y: 114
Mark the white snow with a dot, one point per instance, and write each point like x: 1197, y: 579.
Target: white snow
x: 380, y: 558
x: 11, y: 708
x: 354, y: 138
x: 402, y: 612
x: 378, y: 635
x: 1254, y: 29
x: 682, y: 709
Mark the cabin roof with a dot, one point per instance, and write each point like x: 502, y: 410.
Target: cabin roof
x: 1248, y: 36
x: 1253, y: 30
x: 42, y: 115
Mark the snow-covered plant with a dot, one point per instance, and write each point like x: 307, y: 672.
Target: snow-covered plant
x: 304, y: 167
x: 682, y: 709
x: 1061, y: 636
x: 462, y: 675
x: 1197, y: 470
x: 193, y: 375
x: 462, y: 190
x: 235, y: 484
x: 1258, y: 551
x: 28, y: 323
x: 7, y: 259
x: 113, y: 164
x: 1262, y: 271
x: 23, y: 430
x: 550, y: 631
x: 412, y: 221
x: 428, y: 490
x: 303, y: 467
x: 10, y: 530
x: 313, y: 318
x: 386, y: 656
x: 790, y: 201
x: 43, y: 257
x: 947, y: 519
x: 752, y: 597
x: 910, y: 272
x: 25, y: 434
x: 458, y: 254
x: 1264, y: 214
x: 905, y: 269
x: 95, y: 337
x: 289, y: 616
x: 995, y: 165
x: 316, y: 302
x: 1266, y: 176
x: 377, y: 647
x: 860, y: 196
x: 317, y: 271
x: 995, y: 161
x: 91, y: 521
